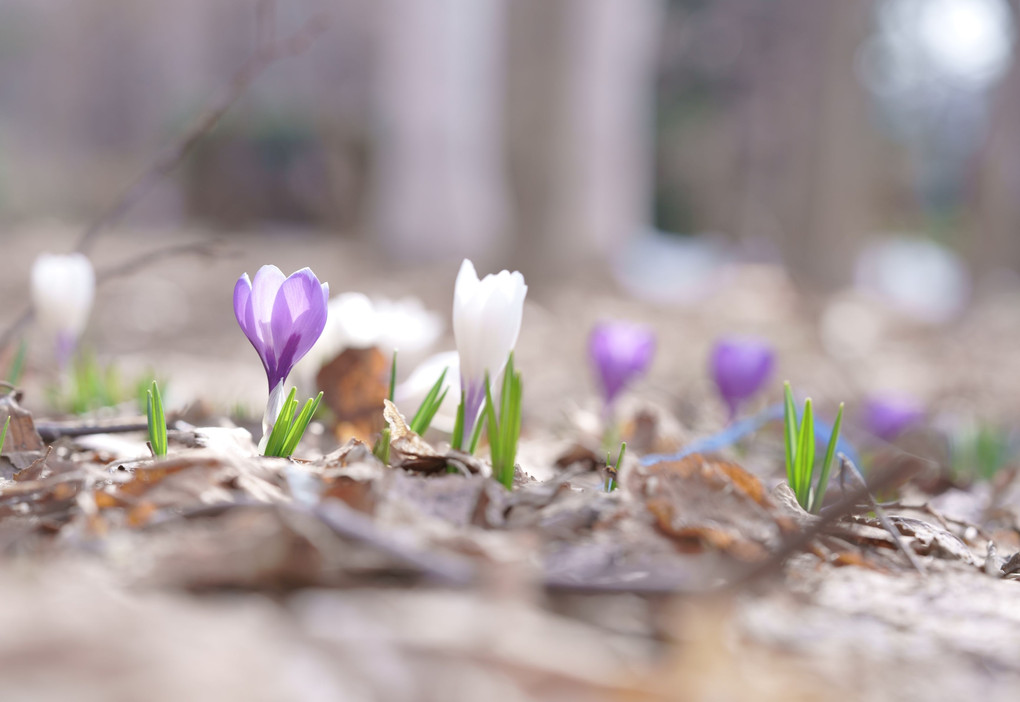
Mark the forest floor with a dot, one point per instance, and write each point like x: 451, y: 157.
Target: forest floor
x: 216, y: 574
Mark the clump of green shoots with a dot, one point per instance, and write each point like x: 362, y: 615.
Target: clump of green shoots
x: 422, y: 419
x: 801, y: 469
x: 614, y: 471
x: 290, y: 425
x: 91, y: 386
x: 504, y: 428
x: 980, y: 451
x: 157, y: 421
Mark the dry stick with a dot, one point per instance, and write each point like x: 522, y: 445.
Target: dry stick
x: 167, y: 161
x: 946, y: 522
x: 846, y: 466
x: 797, y: 543
x: 51, y: 431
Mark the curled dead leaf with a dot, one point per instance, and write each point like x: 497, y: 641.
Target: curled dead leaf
x: 354, y: 385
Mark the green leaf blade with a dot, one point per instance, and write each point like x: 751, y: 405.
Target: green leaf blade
x: 830, y: 452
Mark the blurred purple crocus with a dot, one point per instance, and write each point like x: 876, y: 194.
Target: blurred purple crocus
x: 620, y: 352
x: 888, y: 416
x: 282, y: 318
x: 740, y: 367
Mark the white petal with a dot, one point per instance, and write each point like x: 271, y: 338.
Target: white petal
x: 273, y: 407
x: 63, y: 288
x: 487, y: 322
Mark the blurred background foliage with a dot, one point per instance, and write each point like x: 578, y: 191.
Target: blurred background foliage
x: 552, y: 133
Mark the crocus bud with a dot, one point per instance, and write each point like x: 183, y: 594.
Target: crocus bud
x: 740, y: 367
x: 486, y: 322
x: 888, y: 416
x: 63, y: 288
x: 620, y: 352
x: 282, y: 318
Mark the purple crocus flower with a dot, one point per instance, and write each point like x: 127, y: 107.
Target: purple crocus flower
x: 740, y: 367
x: 888, y: 416
x: 620, y: 352
x: 281, y: 316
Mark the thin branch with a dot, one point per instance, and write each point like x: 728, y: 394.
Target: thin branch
x: 850, y: 504
x: 168, y: 160
x: 147, y: 258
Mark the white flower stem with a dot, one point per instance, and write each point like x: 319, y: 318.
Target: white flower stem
x: 273, y: 407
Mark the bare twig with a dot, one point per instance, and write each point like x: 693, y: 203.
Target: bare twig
x: 169, y: 159
x: 51, y: 431
x: 846, y: 466
x: 947, y: 522
x: 147, y: 258
x: 850, y: 504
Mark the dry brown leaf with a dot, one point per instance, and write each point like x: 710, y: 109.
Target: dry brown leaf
x: 23, y: 445
x: 703, y: 503
x: 354, y: 385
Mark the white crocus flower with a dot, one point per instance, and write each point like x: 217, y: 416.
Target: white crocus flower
x: 410, y: 393
x: 63, y: 288
x: 486, y: 322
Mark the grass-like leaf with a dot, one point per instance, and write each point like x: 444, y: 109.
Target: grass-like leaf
x: 790, y: 427
x: 290, y: 425
x: 298, y: 426
x: 614, y: 471
x: 805, y: 453
x: 830, y: 453
x: 807, y: 480
x: 381, y: 450
x: 457, y: 440
x: 17, y: 367
x: 157, y: 421
x: 3, y: 434
x: 282, y: 425
x: 504, y: 430
x: 393, y: 375
x: 430, y: 405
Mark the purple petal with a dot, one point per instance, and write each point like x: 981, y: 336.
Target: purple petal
x: 620, y: 352
x: 242, y: 307
x: 282, y: 317
x: 740, y: 367
x: 889, y: 416
x: 264, y: 289
x: 297, y: 320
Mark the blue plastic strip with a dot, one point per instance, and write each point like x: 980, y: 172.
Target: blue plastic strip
x: 745, y: 427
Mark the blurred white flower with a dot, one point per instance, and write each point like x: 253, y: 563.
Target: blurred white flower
x: 410, y: 393
x: 355, y: 321
x: 486, y: 322
x: 63, y: 288
x: 917, y: 277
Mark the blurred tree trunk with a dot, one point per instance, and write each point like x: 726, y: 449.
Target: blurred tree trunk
x: 801, y: 174
x: 580, y: 110
x: 439, y: 185
x: 996, y: 240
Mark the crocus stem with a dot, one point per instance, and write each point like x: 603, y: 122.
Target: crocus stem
x: 65, y: 347
x: 473, y: 398
x: 273, y: 407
